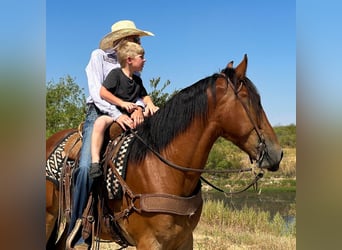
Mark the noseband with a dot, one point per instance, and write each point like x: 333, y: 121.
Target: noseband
x: 262, y: 147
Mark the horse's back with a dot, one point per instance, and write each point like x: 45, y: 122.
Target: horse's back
x: 54, y: 140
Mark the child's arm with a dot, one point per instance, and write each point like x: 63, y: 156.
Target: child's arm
x: 109, y: 97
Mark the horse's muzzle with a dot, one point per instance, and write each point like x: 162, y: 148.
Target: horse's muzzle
x: 271, y: 160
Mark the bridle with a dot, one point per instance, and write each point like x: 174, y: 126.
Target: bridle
x: 262, y: 149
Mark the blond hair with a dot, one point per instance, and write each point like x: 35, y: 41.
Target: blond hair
x: 128, y: 49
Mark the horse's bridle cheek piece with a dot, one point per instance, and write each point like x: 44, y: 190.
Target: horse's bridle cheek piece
x: 262, y: 147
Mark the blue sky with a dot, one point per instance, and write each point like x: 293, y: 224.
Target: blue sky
x: 193, y: 39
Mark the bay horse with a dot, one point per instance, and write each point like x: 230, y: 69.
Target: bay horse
x: 182, y: 132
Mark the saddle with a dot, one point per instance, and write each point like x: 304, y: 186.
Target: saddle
x: 73, y: 145
x: 95, y: 207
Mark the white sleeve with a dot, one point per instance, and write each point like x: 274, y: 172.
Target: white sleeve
x: 95, y: 75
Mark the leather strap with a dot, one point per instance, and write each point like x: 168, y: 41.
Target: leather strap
x: 66, y: 191
x: 88, y: 218
x: 159, y: 203
x: 167, y: 203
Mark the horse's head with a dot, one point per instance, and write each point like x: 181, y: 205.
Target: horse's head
x: 241, y: 118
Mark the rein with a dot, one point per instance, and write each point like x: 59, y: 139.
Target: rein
x: 185, y: 169
x: 254, y: 183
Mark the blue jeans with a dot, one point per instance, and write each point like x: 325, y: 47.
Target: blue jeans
x: 81, y: 181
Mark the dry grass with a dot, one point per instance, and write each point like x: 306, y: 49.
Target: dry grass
x: 230, y: 240
x: 288, y: 164
x: 222, y: 228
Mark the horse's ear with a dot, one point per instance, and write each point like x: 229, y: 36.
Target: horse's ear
x: 230, y: 65
x: 242, y: 68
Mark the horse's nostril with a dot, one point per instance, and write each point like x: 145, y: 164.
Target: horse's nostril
x: 281, y: 155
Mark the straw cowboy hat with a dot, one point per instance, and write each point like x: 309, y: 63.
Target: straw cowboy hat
x: 120, y: 30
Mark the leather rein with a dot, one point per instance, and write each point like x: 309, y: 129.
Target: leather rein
x: 185, y: 169
x: 262, y: 150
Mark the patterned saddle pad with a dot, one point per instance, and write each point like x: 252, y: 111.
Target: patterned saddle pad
x: 120, y: 162
x: 54, y: 164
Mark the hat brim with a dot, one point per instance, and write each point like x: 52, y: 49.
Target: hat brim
x: 107, y: 40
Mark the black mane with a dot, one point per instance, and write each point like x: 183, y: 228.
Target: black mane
x: 174, y: 117
x: 181, y: 110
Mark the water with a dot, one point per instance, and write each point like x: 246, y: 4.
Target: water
x: 272, y: 201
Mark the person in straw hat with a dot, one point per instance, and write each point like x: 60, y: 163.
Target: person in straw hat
x: 101, y: 62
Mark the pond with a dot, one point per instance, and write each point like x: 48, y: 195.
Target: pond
x: 271, y: 201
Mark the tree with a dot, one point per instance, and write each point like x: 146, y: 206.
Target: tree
x: 159, y: 96
x: 65, y: 105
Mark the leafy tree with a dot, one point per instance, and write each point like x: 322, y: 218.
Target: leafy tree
x: 159, y: 96
x: 65, y: 105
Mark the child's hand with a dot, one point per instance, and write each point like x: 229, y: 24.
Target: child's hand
x: 125, y: 120
x: 150, y: 109
x: 137, y: 117
x: 129, y: 106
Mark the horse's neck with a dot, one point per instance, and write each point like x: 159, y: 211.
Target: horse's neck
x: 194, y: 146
x: 191, y: 149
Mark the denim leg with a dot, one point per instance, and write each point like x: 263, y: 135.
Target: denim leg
x: 81, y: 181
